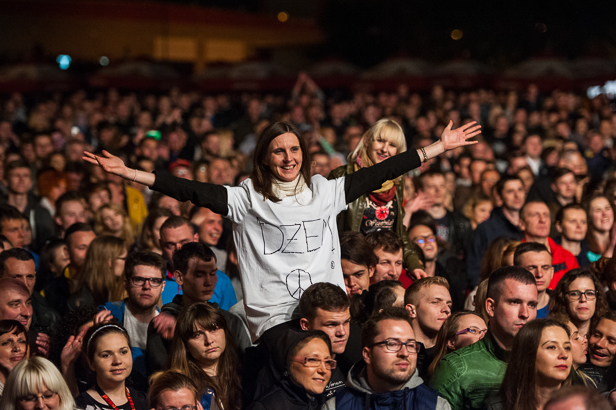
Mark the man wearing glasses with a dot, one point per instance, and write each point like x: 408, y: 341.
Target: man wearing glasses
x: 144, y: 284
x: 387, y: 376
x: 473, y: 373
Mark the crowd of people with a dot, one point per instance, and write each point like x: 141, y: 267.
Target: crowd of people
x: 311, y: 250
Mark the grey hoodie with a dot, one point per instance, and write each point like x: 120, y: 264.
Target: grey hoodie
x: 357, y: 380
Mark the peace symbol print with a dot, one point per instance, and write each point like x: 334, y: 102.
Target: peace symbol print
x: 297, y: 282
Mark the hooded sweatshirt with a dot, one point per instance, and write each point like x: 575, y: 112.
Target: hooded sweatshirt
x: 286, y: 394
x: 357, y: 395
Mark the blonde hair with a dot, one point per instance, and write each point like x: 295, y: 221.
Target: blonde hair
x: 412, y: 292
x: 98, y: 272
x: 35, y: 374
x: 384, y: 128
x: 126, y: 235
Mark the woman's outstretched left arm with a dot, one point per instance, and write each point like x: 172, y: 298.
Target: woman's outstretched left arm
x: 368, y: 179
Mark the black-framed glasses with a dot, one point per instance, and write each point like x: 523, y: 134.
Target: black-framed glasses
x: 140, y: 281
x: 395, y: 346
x: 316, y: 362
x: 577, y: 294
x: 175, y: 408
x: 473, y: 331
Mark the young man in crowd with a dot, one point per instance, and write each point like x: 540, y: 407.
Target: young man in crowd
x: 388, y: 248
x: 12, y: 226
x: 176, y: 232
x: 358, y: 262
x: 428, y: 304
x: 473, y: 373
x: 195, y: 271
x: 571, y: 223
x: 19, y: 183
x: 601, y: 348
x: 324, y: 306
x: 451, y: 227
x: 564, y: 187
x: 144, y: 281
x: 70, y: 209
x: 78, y: 237
x: 535, y: 258
x: 535, y: 223
x: 503, y: 221
x: 387, y: 374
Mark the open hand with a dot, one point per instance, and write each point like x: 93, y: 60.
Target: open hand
x: 110, y: 163
x: 72, y: 349
x: 459, y: 137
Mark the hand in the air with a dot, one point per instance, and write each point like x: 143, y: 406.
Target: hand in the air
x: 110, y: 163
x: 459, y: 137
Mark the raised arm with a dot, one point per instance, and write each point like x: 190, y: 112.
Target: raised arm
x: 202, y: 194
x: 368, y: 179
x: 114, y: 165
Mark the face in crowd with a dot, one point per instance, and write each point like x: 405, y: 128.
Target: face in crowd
x: 389, y: 266
x: 356, y: 277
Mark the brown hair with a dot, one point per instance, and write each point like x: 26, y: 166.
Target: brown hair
x: 493, y: 256
x: 262, y: 178
x: 520, y: 381
x: 412, y: 292
x: 593, y: 245
x: 98, y: 273
x: 170, y: 380
x: 226, y: 384
x: 323, y: 295
x: 559, y: 302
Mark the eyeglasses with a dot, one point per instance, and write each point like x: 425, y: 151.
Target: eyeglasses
x: 33, y: 398
x: 423, y: 239
x: 576, y: 294
x: 472, y: 331
x: 314, y: 362
x: 140, y: 281
x: 395, y: 346
x: 175, y: 408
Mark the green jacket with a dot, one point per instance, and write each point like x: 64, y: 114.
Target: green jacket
x: 468, y: 376
x: 350, y: 220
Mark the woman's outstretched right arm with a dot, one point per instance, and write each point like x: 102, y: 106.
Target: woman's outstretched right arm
x: 114, y: 165
x: 202, y: 194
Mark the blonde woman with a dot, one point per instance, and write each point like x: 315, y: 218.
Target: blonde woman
x: 382, y: 208
x: 111, y: 219
x: 35, y: 383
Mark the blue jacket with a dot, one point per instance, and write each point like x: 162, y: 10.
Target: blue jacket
x: 118, y: 309
x: 224, y: 295
x: 357, y: 395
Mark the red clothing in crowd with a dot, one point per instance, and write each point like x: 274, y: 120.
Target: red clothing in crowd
x: 562, y: 261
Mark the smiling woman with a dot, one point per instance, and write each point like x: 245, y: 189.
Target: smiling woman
x: 528, y: 385
x: 301, y: 365
x: 13, y: 347
x: 283, y: 218
x: 108, y: 350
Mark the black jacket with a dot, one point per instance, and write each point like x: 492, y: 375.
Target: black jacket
x: 281, y: 340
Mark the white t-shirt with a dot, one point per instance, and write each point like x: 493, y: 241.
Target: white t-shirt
x: 284, y: 247
x: 137, y: 331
